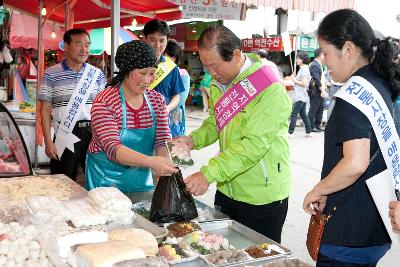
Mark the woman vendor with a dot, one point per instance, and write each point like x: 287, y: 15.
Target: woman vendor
x: 129, y: 124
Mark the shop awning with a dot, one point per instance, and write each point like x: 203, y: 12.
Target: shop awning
x: 24, y: 32
x: 92, y: 14
x: 326, y: 6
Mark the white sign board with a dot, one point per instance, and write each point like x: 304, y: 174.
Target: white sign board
x: 287, y: 45
x: 212, y: 9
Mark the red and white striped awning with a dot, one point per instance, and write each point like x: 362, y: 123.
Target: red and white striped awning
x: 303, y: 5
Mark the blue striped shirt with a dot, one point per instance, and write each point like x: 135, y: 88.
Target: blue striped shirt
x: 58, y: 85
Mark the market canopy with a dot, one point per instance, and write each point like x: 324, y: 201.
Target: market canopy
x: 24, y: 32
x: 326, y: 6
x: 91, y: 14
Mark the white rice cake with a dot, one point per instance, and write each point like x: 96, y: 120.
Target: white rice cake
x: 83, y: 213
x: 110, y: 198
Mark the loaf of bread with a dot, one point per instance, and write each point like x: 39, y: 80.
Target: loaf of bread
x: 138, y: 237
x: 107, y: 253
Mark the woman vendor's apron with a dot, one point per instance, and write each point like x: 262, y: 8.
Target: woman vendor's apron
x: 100, y: 171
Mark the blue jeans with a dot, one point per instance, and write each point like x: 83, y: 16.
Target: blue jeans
x: 324, y: 261
x: 299, y: 107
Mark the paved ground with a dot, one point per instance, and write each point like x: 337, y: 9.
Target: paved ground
x: 306, y: 160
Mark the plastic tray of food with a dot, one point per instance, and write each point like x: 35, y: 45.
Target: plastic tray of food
x: 227, y: 257
x: 239, y: 236
x: 177, y: 252
x: 181, y: 229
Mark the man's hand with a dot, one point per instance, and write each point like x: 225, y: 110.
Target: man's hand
x: 196, y: 184
x: 394, y: 213
x: 51, y: 151
x: 188, y: 140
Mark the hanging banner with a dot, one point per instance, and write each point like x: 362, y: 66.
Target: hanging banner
x: 272, y: 44
x: 212, y: 9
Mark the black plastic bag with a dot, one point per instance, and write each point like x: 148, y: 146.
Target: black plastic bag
x: 171, y: 202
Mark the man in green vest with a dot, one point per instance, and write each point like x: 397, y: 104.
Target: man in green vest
x: 252, y: 171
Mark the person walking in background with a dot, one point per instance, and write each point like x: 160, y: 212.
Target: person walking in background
x: 61, y: 86
x: 317, y: 91
x: 354, y: 235
x: 252, y: 170
x: 300, y: 96
x: 178, y: 116
x: 205, y: 84
x: 168, y: 81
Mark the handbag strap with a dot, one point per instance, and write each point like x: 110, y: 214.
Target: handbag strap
x: 349, y: 189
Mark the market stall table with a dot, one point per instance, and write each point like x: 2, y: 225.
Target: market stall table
x: 239, y: 236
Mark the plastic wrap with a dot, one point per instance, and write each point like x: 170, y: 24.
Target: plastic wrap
x: 47, y: 204
x: 105, y: 254
x: 18, y: 246
x: 139, y: 237
x: 179, y: 153
x: 83, y: 213
x: 110, y: 198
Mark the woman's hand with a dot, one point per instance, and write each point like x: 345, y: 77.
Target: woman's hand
x: 162, y: 166
x: 188, y: 140
x: 314, y: 199
x: 394, y: 213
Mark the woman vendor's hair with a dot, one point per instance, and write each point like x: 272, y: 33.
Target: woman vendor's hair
x: 174, y: 49
x: 303, y: 56
x: 347, y: 25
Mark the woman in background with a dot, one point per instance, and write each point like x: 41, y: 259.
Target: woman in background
x: 300, y: 96
x: 178, y: 116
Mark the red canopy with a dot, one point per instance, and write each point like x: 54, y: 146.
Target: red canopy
x: 87, y: 11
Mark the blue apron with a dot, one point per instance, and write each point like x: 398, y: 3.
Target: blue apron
x: 100, y: 171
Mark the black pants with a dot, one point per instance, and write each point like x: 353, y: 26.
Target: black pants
x: 299, y: 107
x: 69, y: 162
x: 316, y: 111
x: 266, y: 219
x: 324, y: 261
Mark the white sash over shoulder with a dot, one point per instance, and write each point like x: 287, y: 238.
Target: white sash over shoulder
x: 365, y: 97
x: 64, y: 137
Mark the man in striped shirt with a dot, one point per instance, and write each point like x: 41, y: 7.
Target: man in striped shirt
x: 58, y: 85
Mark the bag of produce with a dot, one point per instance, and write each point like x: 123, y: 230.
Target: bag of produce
x: 179, y: 153
x: 171, y: 202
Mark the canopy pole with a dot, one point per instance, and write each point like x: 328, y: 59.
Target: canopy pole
x: 66, y: 18
x: 39, y: 62
x: 115, y: 17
